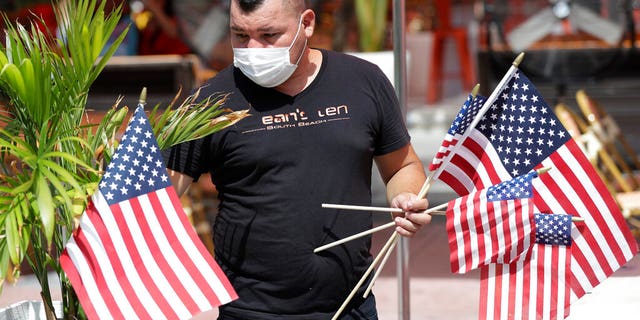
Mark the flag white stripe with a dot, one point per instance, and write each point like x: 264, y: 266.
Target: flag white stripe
x: 519, y: 290
x: 491, y: 292
x: 458, y: 214
x: 150, y: 263
x: 130, y: 269
x: 460, y: 175
x: 547, y: 280
x: 576, y: 271
x: 532, y: 272
x: 562, y: 262
x: 513, y: 230
x: 528, y: 229
x: 500, y: 230
x: 504, y: 295
x: 84, y: 272
x: 488, y: 243
x: 176, y: 265
x: 473, y: 234
x: 203, y: 266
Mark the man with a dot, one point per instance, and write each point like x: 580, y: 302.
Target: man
x: 319, y: 119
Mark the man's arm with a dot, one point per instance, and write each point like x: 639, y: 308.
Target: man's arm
x: 404, y: 175
x: 180, y: 181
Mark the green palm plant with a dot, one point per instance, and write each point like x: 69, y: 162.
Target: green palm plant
x: 50, y: 162
x: 372, y: 23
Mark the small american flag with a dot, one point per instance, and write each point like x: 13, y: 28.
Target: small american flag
x: 535, y: 288
x: 492, y: 225
x: 460, y: 124
x: 519, y: 133
x: 135, y: 253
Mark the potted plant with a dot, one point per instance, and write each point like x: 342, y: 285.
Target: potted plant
x: 50, y: 161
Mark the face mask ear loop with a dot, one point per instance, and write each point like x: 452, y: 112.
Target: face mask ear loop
x: 300, y: 56
x: 296, y: 38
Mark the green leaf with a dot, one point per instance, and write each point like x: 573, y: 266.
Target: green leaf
x: 13, y: 238
x: 45, y: 206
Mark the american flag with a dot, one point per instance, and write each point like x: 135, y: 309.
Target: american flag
x: 135, y: 253
x: 460, y: 124
x: 519, y: 133
x: 535, y: 288
x: 491, y: 225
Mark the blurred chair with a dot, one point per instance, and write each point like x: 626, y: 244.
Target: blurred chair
x: 605, y: 127
x: 442, y: 32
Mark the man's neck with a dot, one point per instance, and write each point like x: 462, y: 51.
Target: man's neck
x: 304, y: 75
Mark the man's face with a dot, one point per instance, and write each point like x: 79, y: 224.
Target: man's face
x: 269, y: 25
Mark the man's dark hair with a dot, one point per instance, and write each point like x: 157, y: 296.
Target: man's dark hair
x: 249, y: 5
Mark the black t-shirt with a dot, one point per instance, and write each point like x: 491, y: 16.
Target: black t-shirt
x: 274, y: 169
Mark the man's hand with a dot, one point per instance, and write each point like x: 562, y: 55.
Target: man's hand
x: 414, y: 217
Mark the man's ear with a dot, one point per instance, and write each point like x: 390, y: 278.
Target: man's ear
x: 308, y: 22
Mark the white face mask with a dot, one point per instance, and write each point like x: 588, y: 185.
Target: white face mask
x: 268, y: 67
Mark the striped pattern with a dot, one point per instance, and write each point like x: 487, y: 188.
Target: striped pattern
x: 493, y: 225
x: 535, y: 288
x: 519, y: 133
x: 135, y: 253
x: 531, y: 289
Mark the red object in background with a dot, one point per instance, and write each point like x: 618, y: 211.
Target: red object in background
x: 42, y: 15
x: 154, y: 41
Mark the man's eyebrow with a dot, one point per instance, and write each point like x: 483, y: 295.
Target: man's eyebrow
x: 261, y: 29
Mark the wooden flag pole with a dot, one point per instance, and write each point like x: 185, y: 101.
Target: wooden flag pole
x: 432, y: 211
x: 376, y: 229
x: 390, y: 242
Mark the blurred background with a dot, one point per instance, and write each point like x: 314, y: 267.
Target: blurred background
x: 582, y: 55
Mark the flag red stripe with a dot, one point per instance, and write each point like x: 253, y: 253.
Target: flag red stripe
x: 159, y: 257
x: 495, y: 230
x: 498, y: 291
x: 98, y: 276
x: 93, y: 215
x: 76, y: 281
x: 479, y: 233
x: 136, y: 258
x: 526, y: 283
x: 510, y: 298
x: 506, y: 232
x: 519, y: 214
x: 204, y: 252
x: 451, y: 234
x: 464, y: 225
x: 453, y: 182
x: 484, y: 293
x: 180, y: 251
